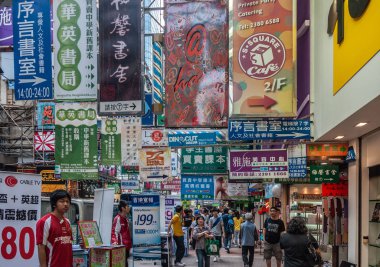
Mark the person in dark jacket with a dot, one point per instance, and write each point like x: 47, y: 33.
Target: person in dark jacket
x: 294, y: 243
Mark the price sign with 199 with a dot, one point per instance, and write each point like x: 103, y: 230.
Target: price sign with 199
x: 143, y: 219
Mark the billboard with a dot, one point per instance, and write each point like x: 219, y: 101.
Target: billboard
x: 196, y: 65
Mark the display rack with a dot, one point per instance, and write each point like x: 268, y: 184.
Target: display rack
x: 374, y: 222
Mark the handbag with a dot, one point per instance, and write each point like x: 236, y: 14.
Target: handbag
x: 312, y: 256
x: 212, y: 247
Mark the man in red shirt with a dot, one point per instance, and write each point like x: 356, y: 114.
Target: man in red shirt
x: 120, y: 234
x: 53, y: 233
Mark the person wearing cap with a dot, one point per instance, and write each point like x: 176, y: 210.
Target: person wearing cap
x: 249, y: 236
x: 178, y: 235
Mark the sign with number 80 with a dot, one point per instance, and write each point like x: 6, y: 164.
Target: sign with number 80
x: 10, y: 243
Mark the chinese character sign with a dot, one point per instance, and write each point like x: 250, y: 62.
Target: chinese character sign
x: 333, y: 150
x: 259, y: 164
x: 156, y: 137
x: 75, y: 45
x: 76, y: 146
x: 6, y: 33
x: 131, y: 136
x: 111, y: 141
x: 263, y: 58
x: 45, y: 115
x: 32, y: 50
x: 120, y: 57
x: 196, y: 65
x: 197, y: 187
x: 204, y: 160
x: 324, y: 174
x: 297, y: 161
x: 155, y: 164
x: 20, y: 209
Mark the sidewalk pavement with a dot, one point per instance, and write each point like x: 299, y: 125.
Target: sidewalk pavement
x: 234, y: 259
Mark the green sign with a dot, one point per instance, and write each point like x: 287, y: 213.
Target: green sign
x: 111, y: 142
x: 76, y: 145
x: 205, y: 160
x: 324, y: 174
x: 90, y: 234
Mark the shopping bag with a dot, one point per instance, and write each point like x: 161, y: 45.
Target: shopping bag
x: 212, y: 247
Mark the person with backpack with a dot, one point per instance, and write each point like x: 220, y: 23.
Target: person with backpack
x: 228, y: 226
x: 215, y: 224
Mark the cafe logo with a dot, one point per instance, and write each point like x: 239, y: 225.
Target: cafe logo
x: 262, y: 55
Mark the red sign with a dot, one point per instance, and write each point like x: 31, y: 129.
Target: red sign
x: 171, y: 185
x: 335, y: 190
x: 44, y: 141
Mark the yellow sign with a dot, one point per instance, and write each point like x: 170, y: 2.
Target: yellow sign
x: 50, y: 183
x: 361, y: 43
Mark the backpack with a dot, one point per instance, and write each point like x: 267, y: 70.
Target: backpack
x: 230, y: 226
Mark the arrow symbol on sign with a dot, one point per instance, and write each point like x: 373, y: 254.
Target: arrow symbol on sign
x: 133, y: 106
x: 35, y: 81
x: 293, y: 135
x: 267, y: 102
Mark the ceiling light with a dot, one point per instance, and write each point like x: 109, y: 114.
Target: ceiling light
x: 361, y: 124
x: 339, y: 137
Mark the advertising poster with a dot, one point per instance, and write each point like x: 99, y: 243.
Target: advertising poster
x: 170, y: 204
x: 45, y: 115
x: 196, y: 65
x: 204, y: 160
x: 76, y: 144
x: 6, y: 25
x: 20, y: 209
x: 50, y: 183
x: 75, y: 46
x: 90, y: 234
x: 195, y: 138
x: 146, y: 230
x: 111, y: 141
x: 259, y: 164
x: 297, y: 161
x: 197, y: 187
x: 263, y: 59
x: 32, y: 50
x: 237, y: 191
x: 44, y: 141
x: 131, y: 136
x: 120, y: 58
x: 154, y: 137
x: 171, y: 184
x: 155, y: 164
x: 221, y: 188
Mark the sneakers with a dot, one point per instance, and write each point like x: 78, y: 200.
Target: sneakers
x: 215, y: 259
x: 228, y: 250
x: 180, y: 264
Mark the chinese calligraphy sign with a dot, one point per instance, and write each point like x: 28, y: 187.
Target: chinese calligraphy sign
x: 324, y: 174
x: 204, y: 160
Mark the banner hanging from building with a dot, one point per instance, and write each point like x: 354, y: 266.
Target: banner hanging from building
x: 196, y: 65
x: 263, y: 59
x: 297, y: 161
x: 197, y: 187
x: 32, y: 50
x: 259, y: 164
x: 45, y: 115
x: 146, y: 230
x: 111, y: 141
x: 20, y: 209
x: 75, y: 45
x: 131, y: 136
x: 204, y: 160
x: 155, y: 164
x: 44, y: 141
x: 120, y: 58
x: 76, y: 145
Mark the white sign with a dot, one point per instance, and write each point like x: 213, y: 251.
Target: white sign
x: 20, y: 209
x: 131, y: 141
x: 170, y: 204
x: 75, y: 47
x: 155, y: 164
x: 154, y: 137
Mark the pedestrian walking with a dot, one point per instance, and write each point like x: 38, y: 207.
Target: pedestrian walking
x: 176, y: 223
x: 215, y: 224
x: 238, y: 220
x: 228, y: 225
x: 201, y: 233
x: 295, y: 241
x: 273, y: 227
x: 249, y: 236
x: 120, y: 234
x: 53, y: 233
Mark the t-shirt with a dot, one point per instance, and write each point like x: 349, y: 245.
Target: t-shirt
x: 56, y: 235
x: 294, y: 247
x: 217, y: 229
x: 273, y: 230
x: 237, y: 223
x: 177, y: 225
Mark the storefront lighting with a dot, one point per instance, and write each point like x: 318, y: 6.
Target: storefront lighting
x: 361, y: 124
x: 339, y: 137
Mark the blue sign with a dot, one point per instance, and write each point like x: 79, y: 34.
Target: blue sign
x: 145, y: 200
x: 32, y: 50
x: 351, y: 156
x: 191, y: 138
x: 197, y: 187
x: 148, y: 118
x: 268, y: 129
x: 297, y: 167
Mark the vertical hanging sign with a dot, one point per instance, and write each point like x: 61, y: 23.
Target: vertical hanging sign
x: 120, y: 58
x: 32, y: 51
x: 196, y: 65
x: 111, y: 141
x: 76, y: 145
x: 75, y: 47
x: 263, y: 58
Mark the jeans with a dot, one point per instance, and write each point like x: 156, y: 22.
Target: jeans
x: 237, y: 237
x: 227, y: 240
x: 180, y: 252
x: 219, y: 238
x: 244, y: 252
x: 202, y: 256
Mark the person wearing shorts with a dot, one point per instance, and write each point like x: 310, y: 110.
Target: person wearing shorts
x: 273, y: 227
